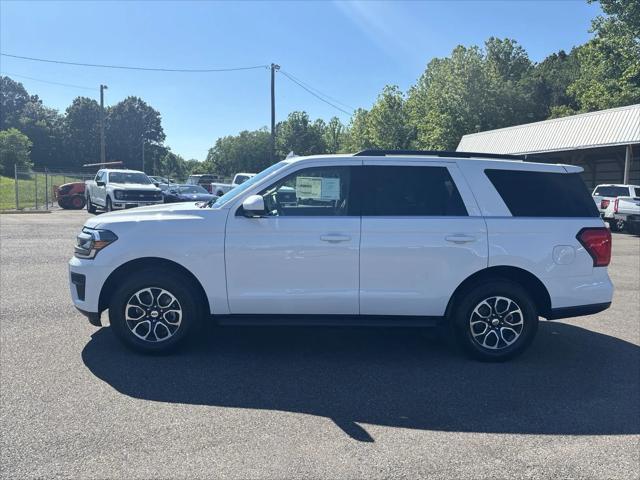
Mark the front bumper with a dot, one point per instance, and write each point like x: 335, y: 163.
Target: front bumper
x: 93, y: 317
x: 86, y: 278
x: 124, y: 204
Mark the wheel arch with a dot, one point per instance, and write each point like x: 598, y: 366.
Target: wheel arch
x: 532, y: 284
x: 139, y: 264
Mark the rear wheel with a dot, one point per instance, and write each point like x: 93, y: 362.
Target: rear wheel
x: 77, y: 202
x: 495, y: 321
x: 90, y: 207
x: 154, y: 311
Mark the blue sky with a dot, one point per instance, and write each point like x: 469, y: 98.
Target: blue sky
x: 346, y: 50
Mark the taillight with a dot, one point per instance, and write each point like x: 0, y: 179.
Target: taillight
x: 597, y: 242
x: 615, y: 206
x: 604, y: 204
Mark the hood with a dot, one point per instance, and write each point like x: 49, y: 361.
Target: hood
x: 196, y: 197
x: 136, y: 186
x: 161, y: 212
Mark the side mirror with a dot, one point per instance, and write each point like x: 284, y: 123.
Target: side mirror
x: 100, y: 184
x: 173, y: 192
x: 253, y: 206
x: 157, y: 184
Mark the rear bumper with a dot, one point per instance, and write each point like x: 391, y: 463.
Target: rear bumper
x: 577, y: 311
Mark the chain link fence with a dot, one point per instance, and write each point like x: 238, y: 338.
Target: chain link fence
x: 38, y: 190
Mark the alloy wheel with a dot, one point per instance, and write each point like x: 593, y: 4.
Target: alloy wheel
x: 153, y: 314
x: 496, y: 323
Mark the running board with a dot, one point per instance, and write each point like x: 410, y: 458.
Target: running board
x: 327, y: 320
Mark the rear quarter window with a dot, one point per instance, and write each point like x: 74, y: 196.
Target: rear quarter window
x: 543, y: 194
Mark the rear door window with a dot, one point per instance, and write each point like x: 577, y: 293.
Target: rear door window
x: 409, y: 191
x: 612, y: 191
x: 543, y: 194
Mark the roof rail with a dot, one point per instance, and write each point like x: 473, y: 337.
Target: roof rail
x: 436, y: 153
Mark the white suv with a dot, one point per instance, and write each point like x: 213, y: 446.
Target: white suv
x: 483, y: 243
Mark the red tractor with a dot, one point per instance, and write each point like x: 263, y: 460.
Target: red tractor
x: 71, y: 195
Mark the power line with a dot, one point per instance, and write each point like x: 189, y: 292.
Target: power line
x: 313, y: 93
x: 48, y: 81
x: 321, y: 93
x: 148, y: 69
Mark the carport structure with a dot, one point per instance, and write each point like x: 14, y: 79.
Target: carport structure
x: 605, y: 143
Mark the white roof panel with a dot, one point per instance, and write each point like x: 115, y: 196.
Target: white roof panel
x: 616, y: 126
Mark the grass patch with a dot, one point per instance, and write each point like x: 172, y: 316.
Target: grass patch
x: 27, y: 190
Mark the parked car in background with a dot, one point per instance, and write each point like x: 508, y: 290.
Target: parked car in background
x: 71, y: 195
x: 160, y: 180
x: 220, y: 189
x: 204, y: 180
x: 186, y: 193
x: 115, y: 189
x: 605, y: 197
x: 627, y: 211
x: 376, y: 238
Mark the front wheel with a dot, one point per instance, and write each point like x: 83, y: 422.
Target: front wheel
x: 90, y: 206
x: 109, y: 205
x: 495, y: 321
x: 154, y: 311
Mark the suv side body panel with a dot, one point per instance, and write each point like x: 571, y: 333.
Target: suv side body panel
x: 544, y: 246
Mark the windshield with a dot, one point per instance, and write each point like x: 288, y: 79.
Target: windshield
x: 612, y: 191
x: 233, y: 193
x: 126, y: 177
x: 192, y: 189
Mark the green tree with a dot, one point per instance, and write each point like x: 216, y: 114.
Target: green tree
x: 387, y: 122
x: 299, y: 135
x: 358, y: 135
x: 13, y: 98
x: 82, y: 121
x: 129, y: 124
x: 45, y: 128
x: 173, y: 166
x: 334, y: 136
x: 245, y: 152
x: 14, y: 150
x: 609, y: 74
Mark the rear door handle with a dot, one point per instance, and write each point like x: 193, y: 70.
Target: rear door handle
x: 460, y: 238
x: 335, y: 238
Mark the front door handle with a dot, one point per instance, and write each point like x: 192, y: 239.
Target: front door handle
x: 460, y: 238
x: 335, y: 238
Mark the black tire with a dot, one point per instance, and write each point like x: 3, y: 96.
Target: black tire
x: 90, y: 206
x: 616, y: 225
x: 77, y: 202
x: 108, y: 205
x: 177, y: 285
x: 499, y: 325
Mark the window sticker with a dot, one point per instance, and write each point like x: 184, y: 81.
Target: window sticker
x: 309, y: 187
x: 318, y: 188
x: 330, y: 189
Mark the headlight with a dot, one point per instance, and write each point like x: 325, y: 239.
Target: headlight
x: 89, y: 242
x: 119, y: 194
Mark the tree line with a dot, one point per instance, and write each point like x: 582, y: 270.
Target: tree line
x: 475, y: 88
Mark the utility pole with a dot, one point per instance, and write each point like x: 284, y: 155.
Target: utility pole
x: 274, y: 67
x: 102, y: 147
x: 143, y: 154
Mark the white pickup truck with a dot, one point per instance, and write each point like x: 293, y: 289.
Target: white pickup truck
x: 220, y: 189
x: 605, y: 197
x: 113, y: 189
x: 627, y: 211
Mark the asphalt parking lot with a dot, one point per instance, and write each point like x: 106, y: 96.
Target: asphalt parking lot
x: 304, y: 403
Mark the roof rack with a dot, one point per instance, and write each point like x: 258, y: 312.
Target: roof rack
x: 436, y: 153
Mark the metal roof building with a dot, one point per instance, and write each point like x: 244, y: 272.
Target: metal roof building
x: 605, y: 143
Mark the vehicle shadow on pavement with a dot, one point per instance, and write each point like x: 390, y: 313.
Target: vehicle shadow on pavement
x: 572, y: 381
